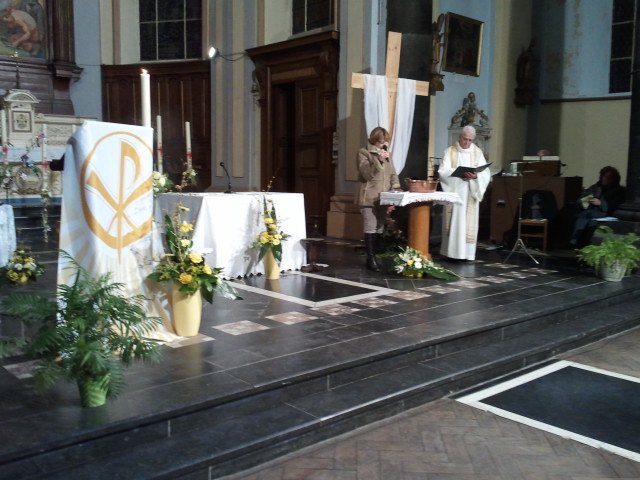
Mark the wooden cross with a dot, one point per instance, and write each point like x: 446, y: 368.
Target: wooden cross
x: 418, y: 212
x: 392, y: 68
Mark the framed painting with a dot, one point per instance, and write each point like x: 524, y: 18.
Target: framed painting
x: 23, y: 28
x: 462, y: 44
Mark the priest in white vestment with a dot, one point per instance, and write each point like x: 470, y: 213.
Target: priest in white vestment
x: 460, y: 222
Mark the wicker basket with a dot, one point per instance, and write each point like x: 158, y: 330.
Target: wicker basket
x: 421, y: 186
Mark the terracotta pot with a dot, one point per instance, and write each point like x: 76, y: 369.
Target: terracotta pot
x: 187, y: 312
x: 271, y: 267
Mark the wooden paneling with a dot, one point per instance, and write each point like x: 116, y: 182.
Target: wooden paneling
x: 180, y: 93
x: 298, y: 95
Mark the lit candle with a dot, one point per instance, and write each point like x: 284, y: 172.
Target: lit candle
x: 187, y: 133
x: 159, y: 153
x: 145, y: 96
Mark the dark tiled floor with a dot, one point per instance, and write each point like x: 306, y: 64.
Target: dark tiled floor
x: 302, y: 323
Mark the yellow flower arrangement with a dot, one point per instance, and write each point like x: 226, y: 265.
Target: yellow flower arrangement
x: 21, y: 268
x: 271, y: 237
x: 186, y: 268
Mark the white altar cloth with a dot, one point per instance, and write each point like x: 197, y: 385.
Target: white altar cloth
x: 225, y: 225
x: 401, y: 199
x: 7, y: 234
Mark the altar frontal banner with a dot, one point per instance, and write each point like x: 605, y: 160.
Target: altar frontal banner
x: 107, y: 202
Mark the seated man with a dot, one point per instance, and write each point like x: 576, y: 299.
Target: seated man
x: 599, y: 200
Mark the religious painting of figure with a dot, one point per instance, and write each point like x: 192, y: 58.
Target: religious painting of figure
x: 462, y: 45
x: 23, y: 28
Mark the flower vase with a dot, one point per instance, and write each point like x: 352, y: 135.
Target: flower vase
x: 410, y: 272
x: 271, y: 267
x: 187, y: 311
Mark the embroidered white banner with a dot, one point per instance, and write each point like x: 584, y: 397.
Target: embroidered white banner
x: 107, y: 206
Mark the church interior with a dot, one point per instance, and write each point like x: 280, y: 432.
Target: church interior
x: 518, y: 363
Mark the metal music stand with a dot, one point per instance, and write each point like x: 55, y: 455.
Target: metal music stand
x: 519, y: 245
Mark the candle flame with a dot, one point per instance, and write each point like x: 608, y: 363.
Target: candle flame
x: 144, y: 71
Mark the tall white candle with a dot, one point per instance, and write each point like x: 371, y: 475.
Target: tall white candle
x: 159, y: 138
x: 3, y: 132
x: 145, y: 97
x: 187, y: 133
x: 3, y: 126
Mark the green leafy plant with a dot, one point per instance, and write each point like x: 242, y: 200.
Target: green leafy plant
x: 619, y: 249
x: 412, y: 262
x: 271, y: 237
x: 87, y: 335
x: 185, y: 267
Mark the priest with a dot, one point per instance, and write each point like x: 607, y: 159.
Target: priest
x: 460, y: 222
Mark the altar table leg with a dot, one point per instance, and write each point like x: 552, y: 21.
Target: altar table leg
x: 419, y: 227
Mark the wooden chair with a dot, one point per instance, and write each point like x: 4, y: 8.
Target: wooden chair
x: 535, y: 228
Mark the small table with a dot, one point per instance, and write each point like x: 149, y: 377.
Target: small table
x: 419, y: 211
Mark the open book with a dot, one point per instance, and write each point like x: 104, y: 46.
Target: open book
x: 460, y: 171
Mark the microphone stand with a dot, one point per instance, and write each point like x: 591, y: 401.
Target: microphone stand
x: 228, y: 190
x: 519, y: 245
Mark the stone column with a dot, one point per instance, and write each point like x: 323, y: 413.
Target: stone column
x: 631, y: 209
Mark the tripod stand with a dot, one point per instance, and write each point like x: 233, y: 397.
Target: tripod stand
x: 519, y: 245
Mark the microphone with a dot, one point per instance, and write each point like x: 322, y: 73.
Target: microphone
x: 228, y: 178
x: 385, y: 147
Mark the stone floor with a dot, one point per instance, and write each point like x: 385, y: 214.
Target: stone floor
x: 303, y: 320
x: 447, y: 440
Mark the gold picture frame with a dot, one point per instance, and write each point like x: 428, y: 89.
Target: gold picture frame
x: 462, y: 44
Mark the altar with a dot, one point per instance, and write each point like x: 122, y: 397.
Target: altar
x: 225, y: 225
x: 420, y: 209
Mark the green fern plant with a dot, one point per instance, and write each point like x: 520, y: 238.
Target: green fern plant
x: 88, y: 335
x: 621, y: 249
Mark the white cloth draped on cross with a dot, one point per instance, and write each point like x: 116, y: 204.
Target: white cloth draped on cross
x: 389, y: 101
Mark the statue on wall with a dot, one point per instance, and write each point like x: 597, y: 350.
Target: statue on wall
x: 435, y: 77
x: 526, y: 76
x: 470, y: 114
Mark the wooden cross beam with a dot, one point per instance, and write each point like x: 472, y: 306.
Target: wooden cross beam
x: 392, y: 69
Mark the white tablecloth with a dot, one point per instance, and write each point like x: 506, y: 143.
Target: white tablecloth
x: 405, y: 198
x: 7, y: 234
x: 227, y: 224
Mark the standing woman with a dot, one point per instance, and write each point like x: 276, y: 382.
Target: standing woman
x: 376, y: 174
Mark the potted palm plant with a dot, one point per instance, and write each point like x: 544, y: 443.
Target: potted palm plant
x: 614, y: 256
x: 87, y: 335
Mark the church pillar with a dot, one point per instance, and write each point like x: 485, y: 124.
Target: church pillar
x: 631, y: 209
x: 413, y: 19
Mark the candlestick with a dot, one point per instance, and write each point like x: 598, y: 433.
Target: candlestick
x: 3, y: 132
x: 187, y: 133
x: 43, y: 146
x: 159, y: 138
x: 145, y: 96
